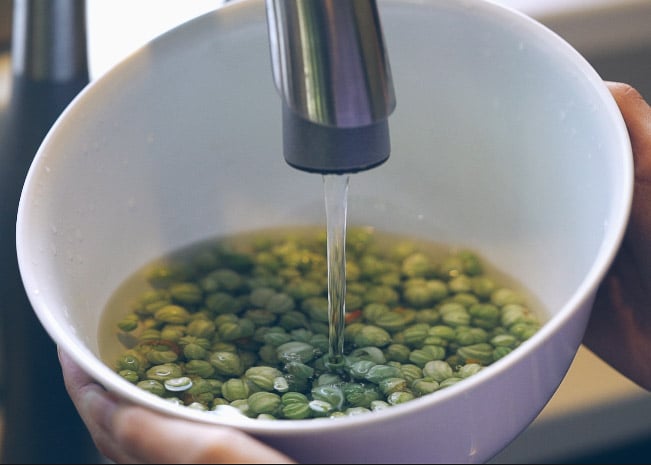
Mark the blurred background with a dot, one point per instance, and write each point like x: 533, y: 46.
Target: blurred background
x: 596, y: 416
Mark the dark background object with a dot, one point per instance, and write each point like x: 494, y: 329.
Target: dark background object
x: 632, y: 66
x: 6, y: 7
x: 49, y: 68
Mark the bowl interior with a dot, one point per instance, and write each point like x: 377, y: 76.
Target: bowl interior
x: 504, y: 140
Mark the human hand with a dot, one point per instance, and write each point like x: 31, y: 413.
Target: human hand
x: 619, y: 330
x: 126, y: 433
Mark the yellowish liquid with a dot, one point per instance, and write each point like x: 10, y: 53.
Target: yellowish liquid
x: 112, y: 343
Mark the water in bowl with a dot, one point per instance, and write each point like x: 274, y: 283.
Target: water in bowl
x: 419, y: 317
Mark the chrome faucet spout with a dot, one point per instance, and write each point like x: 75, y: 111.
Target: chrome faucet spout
x: 331, y: 69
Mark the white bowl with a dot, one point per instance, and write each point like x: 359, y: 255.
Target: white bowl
x: 504, y: 140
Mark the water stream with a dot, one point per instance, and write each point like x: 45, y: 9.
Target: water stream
x: 336, y: 206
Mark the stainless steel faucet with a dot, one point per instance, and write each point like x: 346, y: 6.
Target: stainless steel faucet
x: 331, y: 69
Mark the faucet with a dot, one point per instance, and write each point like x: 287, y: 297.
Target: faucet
x: 331, y: 69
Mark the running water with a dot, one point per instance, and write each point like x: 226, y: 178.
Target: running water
x: 336, y: 205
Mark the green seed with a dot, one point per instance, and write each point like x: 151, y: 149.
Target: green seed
x: 500, y: 352
x: 174, y: 314
x: 293, y: 398
x: 300, y: 372
x: 449, y: 382
x: 227, y: 363
x: 372, y: 354
x: 165, y: 275
x: 129, y: 375
x: 410, y: 372
x: 129, y: 322
x: 221, y: 303
x: 201, y: 328
x: 261, y: 318
x: 391, y: 385
x: 416, y: 265
x: 504, y: 296
x: 398, y: 353
x: 428, y: 316
x: 316, y: 308
x: 264, y: 403
x: 235, y: 389
x: 372, y: 336
x: 280, y: 303
x: 295, y: 352
x: 379, y: 372
x: 457, y: 317
x: 414, y: 335
x: 360, y: 395
x: 153, y: 386
x: 400, y: 397
x: 222, y: 279
x: 262, y: 377
x: 164, y: 372
x: 261, y: 295
x: 483, y: 286
x: 194, y: 352
x: 504, y: 340
x: 173, y: 332
x: 130, y: 360
x: 477, y: 353
x: 424, y: 386
x: 469, y: 369
x: 331, y: 394
x: 320, y: 408
x: 382, y: 294
x: 186, y: 293
x: 293, y: 320
x: 373, y: 311
x: 296, y: 410
x: 201, y: 368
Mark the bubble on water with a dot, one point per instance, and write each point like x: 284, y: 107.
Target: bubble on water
x: 178, y: 384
